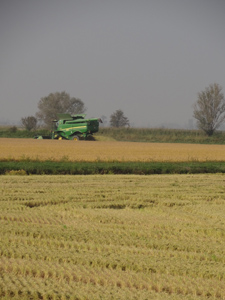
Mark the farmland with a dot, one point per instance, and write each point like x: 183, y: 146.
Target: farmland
x: 112, y: 237
x: 29, y: 149
x: 28, y: 156
x: 150, y: 135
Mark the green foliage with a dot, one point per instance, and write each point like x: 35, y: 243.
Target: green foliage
x: 7, y: 133
x: 90, y: 168
x: 153, y: 135
x: 159, y: 135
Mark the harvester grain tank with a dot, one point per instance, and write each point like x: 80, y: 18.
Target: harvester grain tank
x: 73, y: 127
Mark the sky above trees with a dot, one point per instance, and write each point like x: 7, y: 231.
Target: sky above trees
x: 148, y: 58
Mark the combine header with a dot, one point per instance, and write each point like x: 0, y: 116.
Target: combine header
x: 73, y: 127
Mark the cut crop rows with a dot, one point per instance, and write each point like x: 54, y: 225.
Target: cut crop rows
x: 112, y: 237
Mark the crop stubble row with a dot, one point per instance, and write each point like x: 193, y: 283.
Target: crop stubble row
x: 115, y: 237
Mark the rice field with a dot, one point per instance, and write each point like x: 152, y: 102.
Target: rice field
x: 112, y: 237
x: 23, y: 149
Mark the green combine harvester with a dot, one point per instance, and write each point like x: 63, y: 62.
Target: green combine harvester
x: 73, y: 127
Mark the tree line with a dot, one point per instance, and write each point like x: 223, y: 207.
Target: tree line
x: 54, y: 103
x: 208, y: 110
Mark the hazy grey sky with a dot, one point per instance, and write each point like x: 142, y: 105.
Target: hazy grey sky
x: 149, y: 58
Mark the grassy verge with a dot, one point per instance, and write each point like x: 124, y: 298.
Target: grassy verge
x: 13, y: 132
x: 87, y: 168
x: 158, y: 135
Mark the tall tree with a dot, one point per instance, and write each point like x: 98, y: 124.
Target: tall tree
x: 118, y: 119
x: 56, y: 103
x: 29, y: 122
x: 209, y: 110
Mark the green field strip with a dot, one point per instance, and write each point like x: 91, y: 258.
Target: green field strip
x: 86, y: 168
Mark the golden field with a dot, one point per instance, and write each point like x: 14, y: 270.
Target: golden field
x: 19, y: 149
x: 112, y: 237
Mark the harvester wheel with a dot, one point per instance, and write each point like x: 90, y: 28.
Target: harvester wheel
x: 76, y: 138
x: 60, y: 138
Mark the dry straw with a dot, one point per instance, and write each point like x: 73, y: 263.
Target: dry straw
x: 112, y: 237
x: 22, y: 149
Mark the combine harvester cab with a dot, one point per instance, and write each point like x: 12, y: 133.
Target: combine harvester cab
x: 73, y: 127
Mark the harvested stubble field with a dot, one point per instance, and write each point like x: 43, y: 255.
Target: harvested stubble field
x: 23, y: 149
x: 112, y: 237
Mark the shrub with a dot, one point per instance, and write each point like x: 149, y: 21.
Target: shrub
x: 13, y: 129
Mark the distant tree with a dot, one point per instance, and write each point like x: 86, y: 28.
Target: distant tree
x: 209, y: 110
x: 56, y: 103
x: 29, y: 122
x: 117, y: 119
x: 13, y: 129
